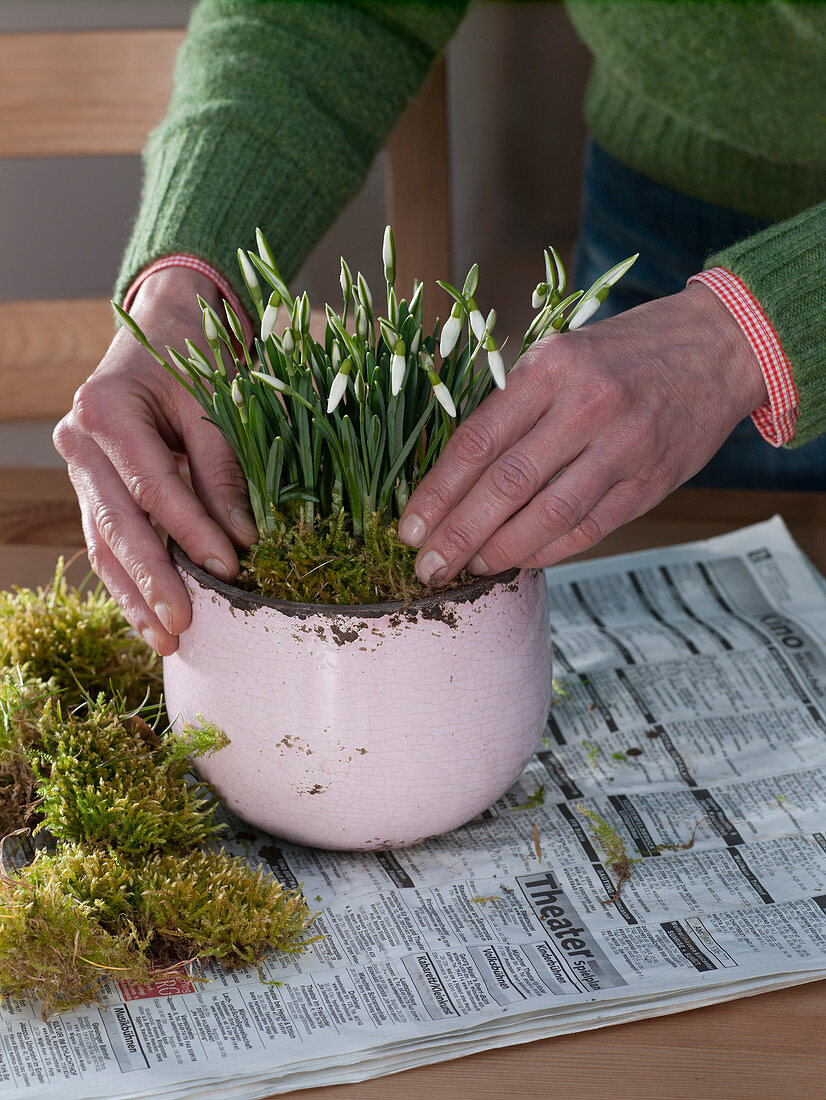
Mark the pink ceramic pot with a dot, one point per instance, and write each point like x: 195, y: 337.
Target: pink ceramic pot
x: 365, y: 727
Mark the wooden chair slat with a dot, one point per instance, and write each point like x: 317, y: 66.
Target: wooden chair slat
x: 83, y: 93
x: 46, y: 350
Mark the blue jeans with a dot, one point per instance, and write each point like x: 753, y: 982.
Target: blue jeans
x: 625, y: 212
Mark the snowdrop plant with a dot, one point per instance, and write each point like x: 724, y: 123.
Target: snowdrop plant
x: 352, y: 423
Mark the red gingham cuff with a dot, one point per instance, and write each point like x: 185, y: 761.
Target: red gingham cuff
x: 183, y: 259
x: 776, y: 420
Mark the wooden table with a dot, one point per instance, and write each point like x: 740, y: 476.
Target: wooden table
x: 758, y: 1048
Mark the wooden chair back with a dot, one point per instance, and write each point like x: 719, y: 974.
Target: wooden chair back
x: 99, y: 93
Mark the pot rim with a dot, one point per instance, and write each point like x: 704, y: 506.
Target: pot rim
x: 247, y: 601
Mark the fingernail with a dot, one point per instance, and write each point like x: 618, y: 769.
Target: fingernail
x: 429, y: 565
x: 412, y: 530
x: 148, y: 635
x: 218, y: 569
x: 243, y: 522
x: 164, y: 612
x: 477, y: 565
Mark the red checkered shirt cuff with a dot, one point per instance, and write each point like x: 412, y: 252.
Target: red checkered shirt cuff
x: 183, y: 259
x: 775, y: 420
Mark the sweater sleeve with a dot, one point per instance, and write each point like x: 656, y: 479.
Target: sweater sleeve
x: 784, y: 267
x: 278, y: 109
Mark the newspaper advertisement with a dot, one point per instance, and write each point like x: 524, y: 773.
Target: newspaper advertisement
x: 666, y: 847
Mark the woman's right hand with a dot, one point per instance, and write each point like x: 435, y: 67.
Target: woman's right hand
x: 128, y: 422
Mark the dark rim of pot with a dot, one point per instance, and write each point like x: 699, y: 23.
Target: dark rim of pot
x: 245, y: 601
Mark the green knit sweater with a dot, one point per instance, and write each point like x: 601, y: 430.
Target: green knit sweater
x: 279, y: 107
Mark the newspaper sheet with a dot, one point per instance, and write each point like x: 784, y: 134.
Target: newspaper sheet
x: 691, y: 717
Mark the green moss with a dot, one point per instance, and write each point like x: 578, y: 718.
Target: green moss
x: 76, y: 638
x: 105, y: 777
x: 200, y: 904
x: 52, y: 944
x: 21, y: 703
x: 324, y: 562
x: 616, y: 854
x: 129, y: 887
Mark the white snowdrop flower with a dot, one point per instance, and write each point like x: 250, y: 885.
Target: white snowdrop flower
x: 270, y: 316
x: 264, y: 250
x: 388, y: 255
x: 338, y: 387
x: 441, y: 393
x: 210, y: 326
x: 345, y: 279
x: 250, y: 277
x: 237, y: 395
x: 271, y: 380
x: 585, y: 309
x: 540, y: 296
x: 288, y: 340
x: 477, y: 323
x: 398, y: 365
x: 496, y: 364
x: 451, y: 331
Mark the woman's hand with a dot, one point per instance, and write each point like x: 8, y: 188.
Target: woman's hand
x: 593, y: 428
x: 128, y: 422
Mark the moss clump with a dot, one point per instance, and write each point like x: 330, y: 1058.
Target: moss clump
x: 53, y: 945
x: 21, y: 701
x: 73, y: 919
x: 76, y: 638
x: 322, y: 561
x: 105, y: 777
x: 126, y: 887
x: 616, y: 854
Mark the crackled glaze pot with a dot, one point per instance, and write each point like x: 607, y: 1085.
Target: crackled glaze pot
x: 364, y: 727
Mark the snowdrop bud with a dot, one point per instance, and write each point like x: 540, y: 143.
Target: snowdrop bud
x: 441, y: 393
x: 339, y: 386
x: 250, y: 278
x: 393, y: 306
x: 237, y: 396
x: 288, y: 340
x: 540, y: 295
x: 270, y: 316
x: 365, y: 297
x: 584, y: 310
x: 496, y: 364
x: 198, y: 359
x: 388, y: 333
x: 388, y: 255
x: 271, y: 380
x: 398, y: 366
x: 335, y: 355
x: 477, y: 321
x: 210, y: 326
x: 360, y: 388
x: 426, y: 361
x: 361, y: 322
x: 559, y: 272
x: 416, y: 342
x: 471, y: 281
x: 345, y: 279
x: 416, y: 300
x: 450, y: 332
x: 129, y: 323
x: 264, y: 250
